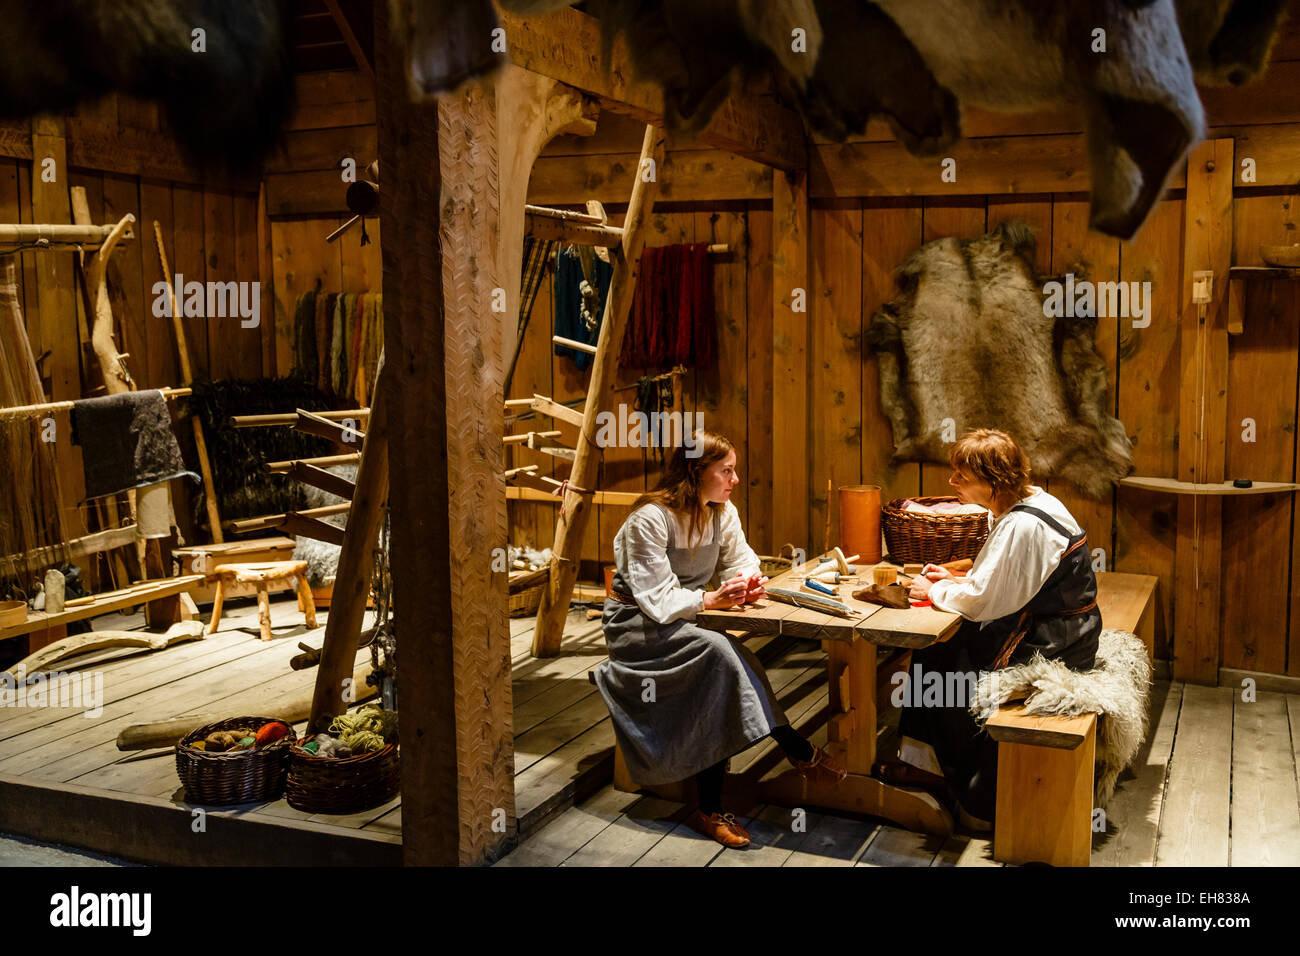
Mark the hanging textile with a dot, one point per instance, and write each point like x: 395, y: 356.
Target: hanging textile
x: 304, y: 336
x: 577, y: 310
x: 536, y: 259
x: 672, y: 320
x: 29, y: 497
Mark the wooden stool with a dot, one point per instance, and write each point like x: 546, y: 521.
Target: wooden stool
x: 261, y: 575
x: 1045, y: 787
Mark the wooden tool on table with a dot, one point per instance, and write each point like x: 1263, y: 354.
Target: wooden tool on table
x: 813, y: 602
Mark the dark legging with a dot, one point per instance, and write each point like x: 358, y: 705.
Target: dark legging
x: 708, y: 782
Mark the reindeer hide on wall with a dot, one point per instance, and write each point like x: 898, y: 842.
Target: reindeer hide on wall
x: 966, y: 338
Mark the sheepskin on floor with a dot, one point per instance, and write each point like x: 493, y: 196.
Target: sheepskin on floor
x: 1117, y: 687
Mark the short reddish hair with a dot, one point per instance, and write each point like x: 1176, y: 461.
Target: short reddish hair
x: 993, y: 457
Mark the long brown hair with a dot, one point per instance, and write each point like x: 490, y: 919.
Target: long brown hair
x: 993, y: 457
x: 679, y: 488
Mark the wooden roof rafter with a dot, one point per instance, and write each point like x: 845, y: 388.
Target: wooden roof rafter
x: 566, y: 45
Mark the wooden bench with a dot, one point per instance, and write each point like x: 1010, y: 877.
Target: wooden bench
x: 1045, y: 764
x: 202, y: 558
x: 166, y: 601
x: 1128, y: 602
x: 1045, y: 787
x: 262, y: 575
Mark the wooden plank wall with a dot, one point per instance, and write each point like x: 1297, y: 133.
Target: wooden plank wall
x: 870, y: 209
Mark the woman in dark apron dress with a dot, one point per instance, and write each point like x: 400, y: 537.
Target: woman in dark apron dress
x: 1031, y: 591
x: 684, y: 699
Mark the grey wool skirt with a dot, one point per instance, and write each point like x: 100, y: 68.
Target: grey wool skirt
x: 682, y: 698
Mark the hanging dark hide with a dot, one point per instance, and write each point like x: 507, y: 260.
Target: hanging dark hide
x: 227, y: 102
x: 965, y: 344
x: 1229, y: 40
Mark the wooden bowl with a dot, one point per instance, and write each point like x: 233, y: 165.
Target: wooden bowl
x: 1288, y: 257
x: 12, y: 612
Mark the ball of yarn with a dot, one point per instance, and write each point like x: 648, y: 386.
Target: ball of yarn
x: 364, y: 741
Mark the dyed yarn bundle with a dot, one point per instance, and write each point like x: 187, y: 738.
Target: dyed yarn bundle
x: 338, y: 338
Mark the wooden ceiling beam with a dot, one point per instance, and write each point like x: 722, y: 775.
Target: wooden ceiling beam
x: 566, y: 45
x: 350, y: 38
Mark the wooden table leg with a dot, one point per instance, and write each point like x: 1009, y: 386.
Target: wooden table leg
x: 218, y: 600
x: 852, y: 738
x: 264, y: 610
x: 307, y: 601
x: 852, y: 667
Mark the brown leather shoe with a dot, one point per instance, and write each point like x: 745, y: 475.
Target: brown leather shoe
x: 821, y: 769
x: 722, y: 827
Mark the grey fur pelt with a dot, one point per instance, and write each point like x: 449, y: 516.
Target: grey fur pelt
x: 965, y: 338
x: 1118, y: 688
x: 322, y: 557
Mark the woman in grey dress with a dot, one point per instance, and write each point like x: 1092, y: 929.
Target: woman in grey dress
x: 684, y: 699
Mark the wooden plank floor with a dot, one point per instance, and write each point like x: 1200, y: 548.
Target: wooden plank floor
x: 563, y: 739
x: 1215, y: 784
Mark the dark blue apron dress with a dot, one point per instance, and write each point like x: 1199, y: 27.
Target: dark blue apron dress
x: 1060, y: 622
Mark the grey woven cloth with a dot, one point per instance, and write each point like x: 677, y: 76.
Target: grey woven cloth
x: 682, y: 698
x: 126, y: 442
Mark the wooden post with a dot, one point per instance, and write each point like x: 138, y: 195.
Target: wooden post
x: 56, y: 308
x: 187, y: 378
x: 572, y: 523
x: 1202, y: 413
x: 446, y: 417
x: 356, y: 561
x: 790, y: 354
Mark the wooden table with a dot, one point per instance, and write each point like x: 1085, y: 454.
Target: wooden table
x: 851, y: 644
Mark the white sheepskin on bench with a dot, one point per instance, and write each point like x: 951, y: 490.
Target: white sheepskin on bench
x: 1118, y: 688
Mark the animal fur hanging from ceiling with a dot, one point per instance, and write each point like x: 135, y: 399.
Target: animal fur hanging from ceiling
x: 1129, y: 66
x: 226, y: 91
x: 965, y: 343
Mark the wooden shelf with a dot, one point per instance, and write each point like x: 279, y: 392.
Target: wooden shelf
x: 1263, y: 272
x: 1172, y: 486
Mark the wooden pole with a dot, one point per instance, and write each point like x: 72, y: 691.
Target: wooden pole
x: 334, y: 691
x: 187, y: 377
x: 572, y: 523
x: 1202, y: 414
x: 791, y: 349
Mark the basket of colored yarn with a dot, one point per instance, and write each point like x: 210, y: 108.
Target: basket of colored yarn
x: 351, y: 768
x: 238, y: 760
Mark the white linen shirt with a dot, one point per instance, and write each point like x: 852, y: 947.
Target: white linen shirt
x: 1021, y: 552
x: 641, y: 556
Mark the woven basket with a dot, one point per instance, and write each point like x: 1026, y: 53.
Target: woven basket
x: 341, y: 784
x: 771, y: 567
x: 526, y: 591
x: 238, y: 776
x: 915, y: 537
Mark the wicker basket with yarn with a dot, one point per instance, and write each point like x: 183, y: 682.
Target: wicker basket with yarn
x: 918, y: 537
x: 233, y: 776
x: 319, y: 784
